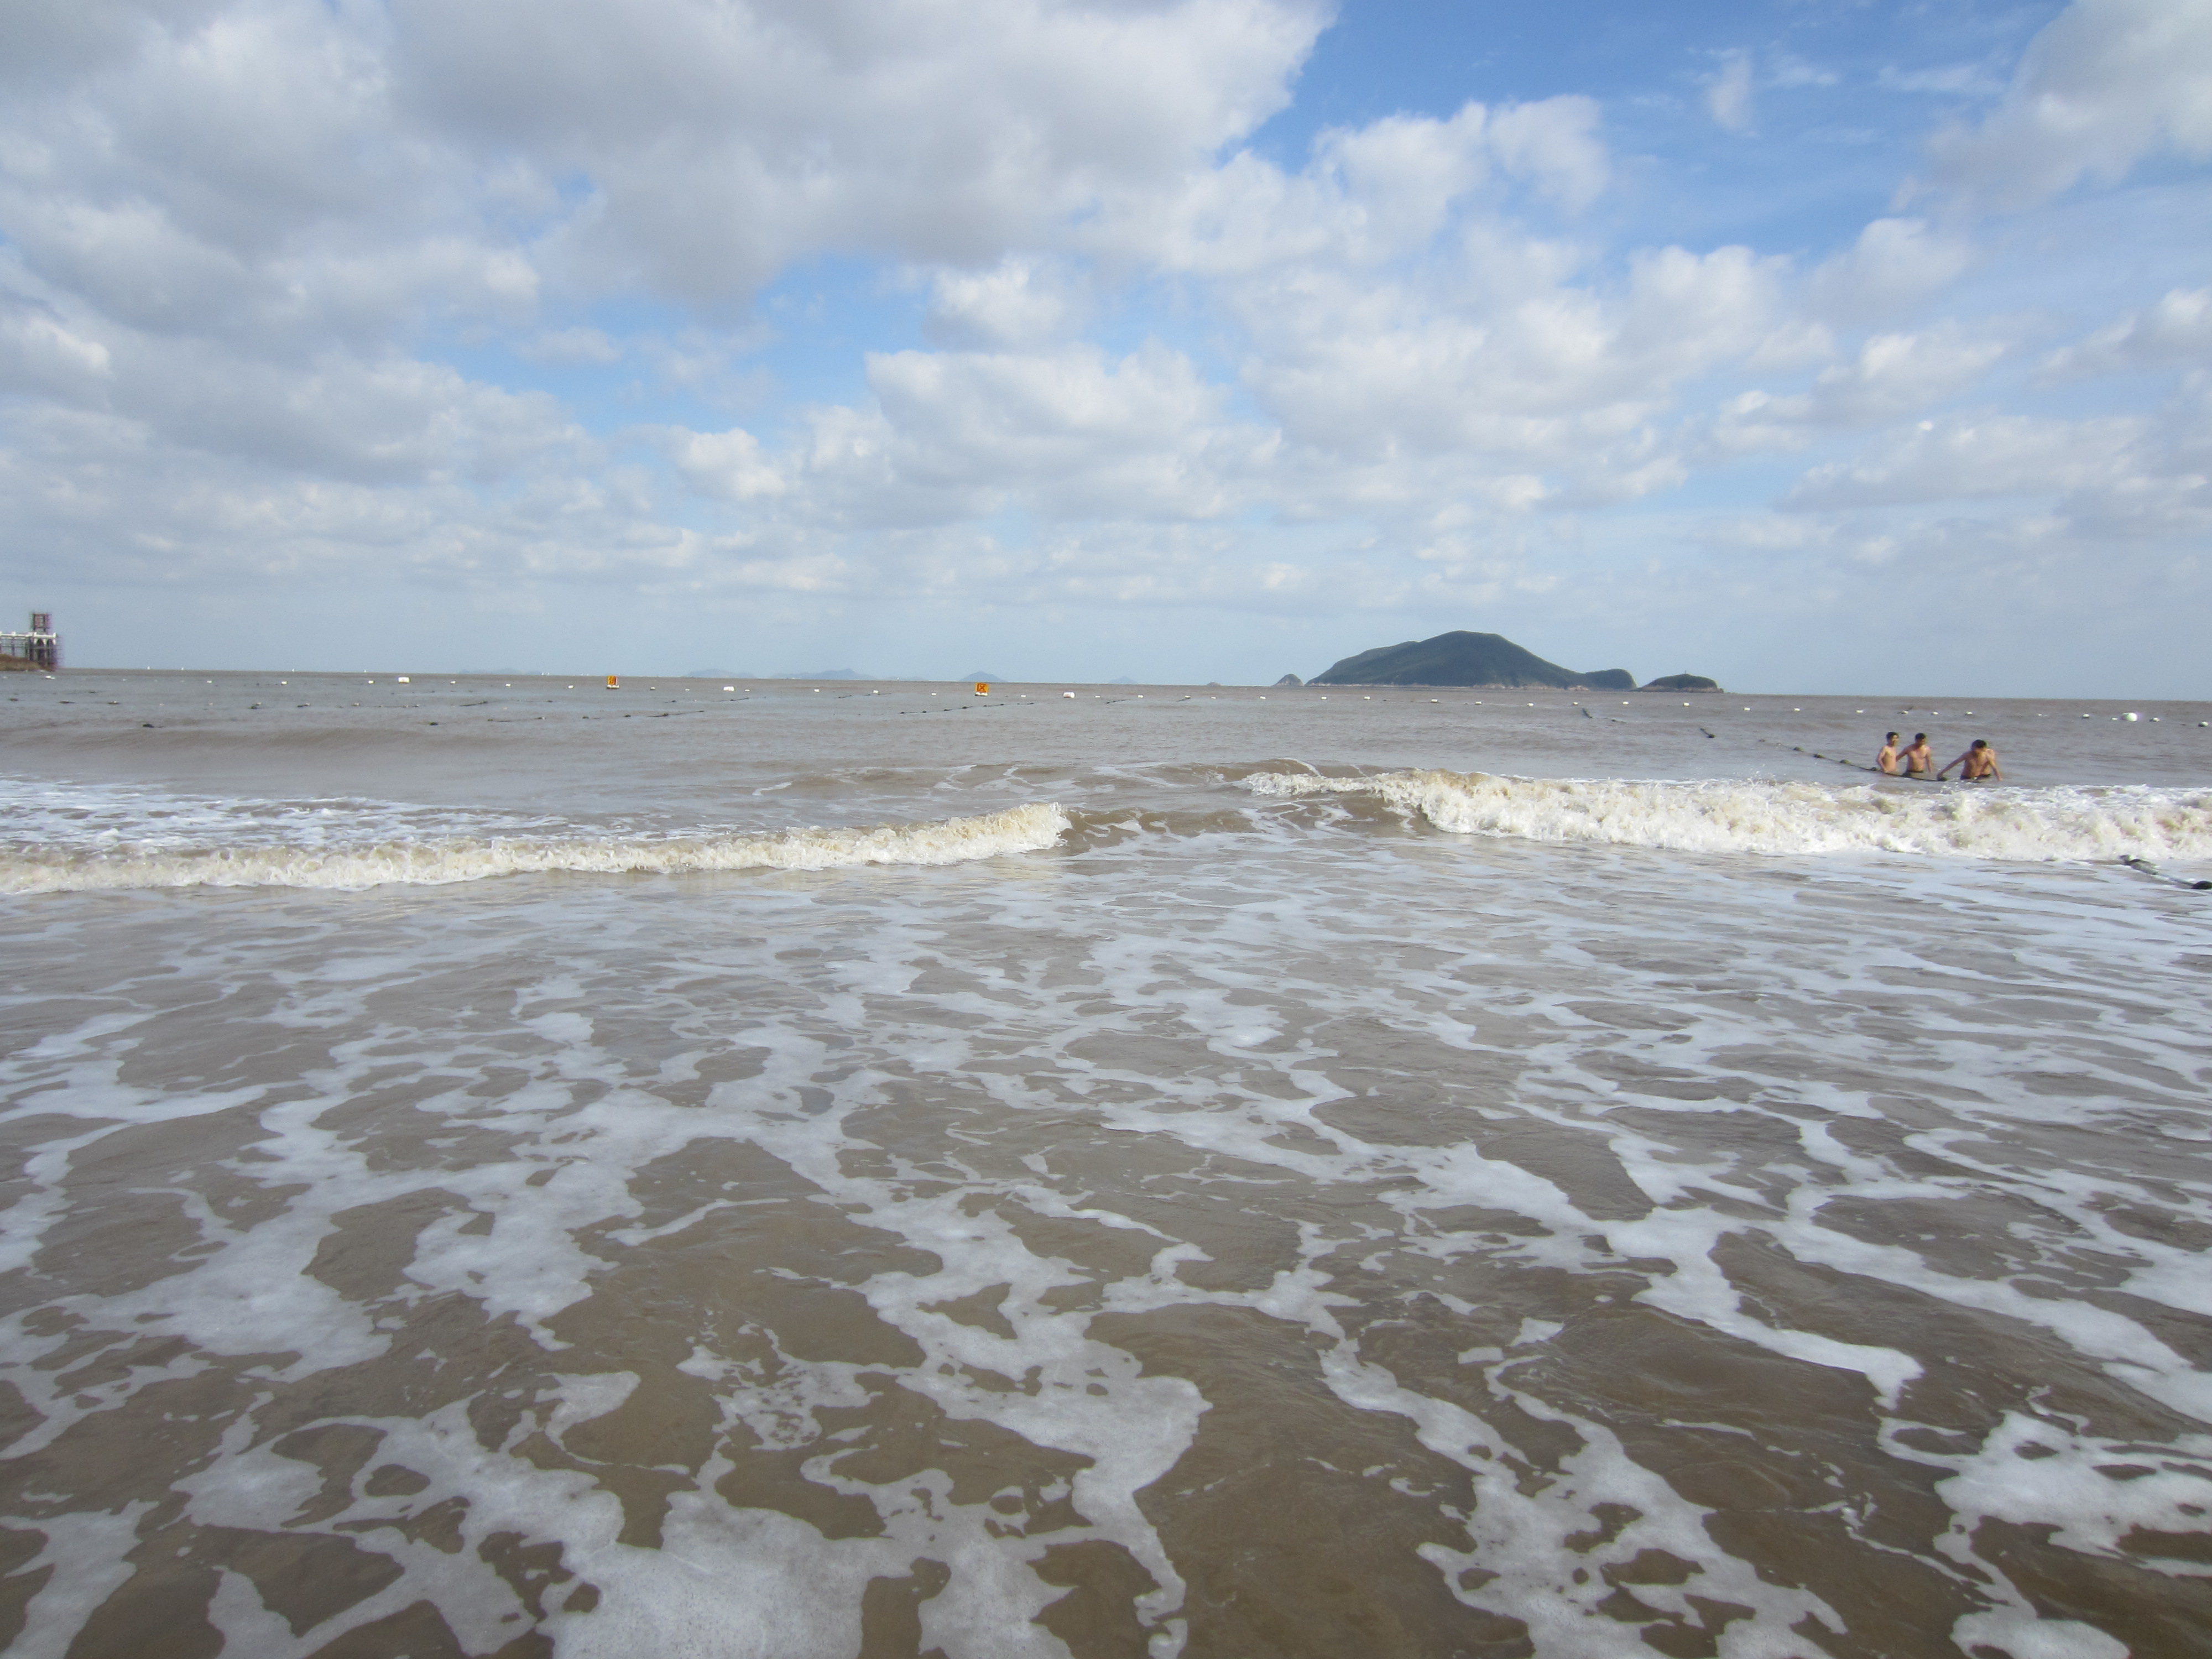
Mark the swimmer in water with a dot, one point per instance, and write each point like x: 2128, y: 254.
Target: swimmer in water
x: 1920, y: 759
x: 1887, y: 761
x: 1977, y: 763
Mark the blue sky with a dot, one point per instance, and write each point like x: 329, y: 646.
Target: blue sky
x: 1813, y: 346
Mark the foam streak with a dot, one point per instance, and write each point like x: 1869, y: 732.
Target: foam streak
x: 1025, y: 829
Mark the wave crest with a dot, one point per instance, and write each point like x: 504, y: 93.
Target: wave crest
x: 2009, y: 824
x: 439, y: 860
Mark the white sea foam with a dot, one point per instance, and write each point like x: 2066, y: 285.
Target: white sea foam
x: 1740, y: 816
x: 183, y: 859
x: 2104, y: 1494
x: 1022, y: 1146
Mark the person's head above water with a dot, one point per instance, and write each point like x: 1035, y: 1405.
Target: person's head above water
x: 1981, y: 742
x: 1891, y: 738
x: 1919, y: 736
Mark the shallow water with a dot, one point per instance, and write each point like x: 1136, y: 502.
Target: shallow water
x: 863, y: 1174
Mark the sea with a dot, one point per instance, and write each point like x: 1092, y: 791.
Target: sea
x: 509, y: 1167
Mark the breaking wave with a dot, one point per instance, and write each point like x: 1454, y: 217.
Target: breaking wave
x: 432, y: 860
x: 2015, y: 825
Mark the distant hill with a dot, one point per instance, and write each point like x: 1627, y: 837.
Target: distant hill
x: 1463, y: 658
x: 985, y: 676
x: 818, y: 674
x: 1682, y: 683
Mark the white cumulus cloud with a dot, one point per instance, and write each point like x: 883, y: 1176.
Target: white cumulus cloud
x: 721, y: 139
x: 2106, y: 85
x: 2175, y: 332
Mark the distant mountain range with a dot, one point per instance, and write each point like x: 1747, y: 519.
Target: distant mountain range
x: 1463, y: 658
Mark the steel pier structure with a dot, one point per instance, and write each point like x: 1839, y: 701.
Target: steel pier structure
x: 38, y: 647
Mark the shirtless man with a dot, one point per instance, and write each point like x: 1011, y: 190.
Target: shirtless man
x: 1920, y: 759
x: 1887, y: 761
x: 1978, y: 763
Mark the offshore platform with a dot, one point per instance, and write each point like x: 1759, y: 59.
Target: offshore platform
x: 40, y: 646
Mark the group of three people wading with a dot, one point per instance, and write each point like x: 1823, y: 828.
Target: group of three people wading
x: 1976, y: 764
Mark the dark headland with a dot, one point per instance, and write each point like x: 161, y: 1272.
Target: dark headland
x: 1463, y: 658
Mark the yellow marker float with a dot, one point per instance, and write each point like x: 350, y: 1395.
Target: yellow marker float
x: 982, y: 688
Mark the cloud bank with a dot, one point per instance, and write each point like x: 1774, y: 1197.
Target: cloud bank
x: 774, y: 315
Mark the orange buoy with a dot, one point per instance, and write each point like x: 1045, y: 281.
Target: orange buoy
x: 982, y: 688
x: 614, y: 682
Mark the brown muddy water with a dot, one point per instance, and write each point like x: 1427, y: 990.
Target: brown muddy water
x: 870, y: 1173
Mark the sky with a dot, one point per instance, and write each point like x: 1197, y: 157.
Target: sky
x: 1812, y: 345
